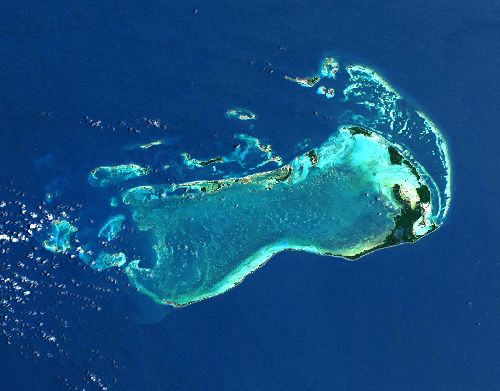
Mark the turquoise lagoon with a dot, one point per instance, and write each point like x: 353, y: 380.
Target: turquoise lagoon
x: 381, y: 179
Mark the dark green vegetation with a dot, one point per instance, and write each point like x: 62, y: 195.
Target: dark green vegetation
x: 404, y: 221
x: 424, y: 194
x: 211, y: 161
x: 403, y: 229
x: 412, y: 168
x: 396, y: 157
x: 318, y: 203
x: 311, y: 81
x: 265, y: 179
x: 305, y: 81
x: 359, y: 130
x: 313, y: 156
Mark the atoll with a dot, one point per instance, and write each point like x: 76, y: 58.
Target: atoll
x: 59, y: 236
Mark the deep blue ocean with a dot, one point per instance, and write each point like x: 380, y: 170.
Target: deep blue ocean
x: 413, y: 317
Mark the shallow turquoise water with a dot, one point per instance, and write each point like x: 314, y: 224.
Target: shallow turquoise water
x: 338, y: 198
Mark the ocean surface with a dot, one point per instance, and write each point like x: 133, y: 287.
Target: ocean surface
x: 84, y: 83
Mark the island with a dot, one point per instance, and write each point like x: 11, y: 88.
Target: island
x: 310, y: 81
x: 348, y: 197
x: 192, y: 162
x: 107, y: 175
x: 381, y: 178
x: 59, y: 236
x: 241, y: 114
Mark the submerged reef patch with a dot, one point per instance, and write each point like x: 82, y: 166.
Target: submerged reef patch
x: 106, y: 175
x: 329, y: 67
x: 59, y: 236
x: 151, y: 144
x: 106, y: 260
x: 241, y: 114
x: 247, y: 146
x: 111, y: 227
x: 328, y: 92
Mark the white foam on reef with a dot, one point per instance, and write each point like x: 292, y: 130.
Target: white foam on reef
x: 241, y: 114
x: 397, y: 120
x: 329, y: 67
x: 444, y: 156
x: 360, y: 71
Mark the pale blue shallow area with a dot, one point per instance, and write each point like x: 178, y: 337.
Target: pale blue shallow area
x: 421, y: 317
